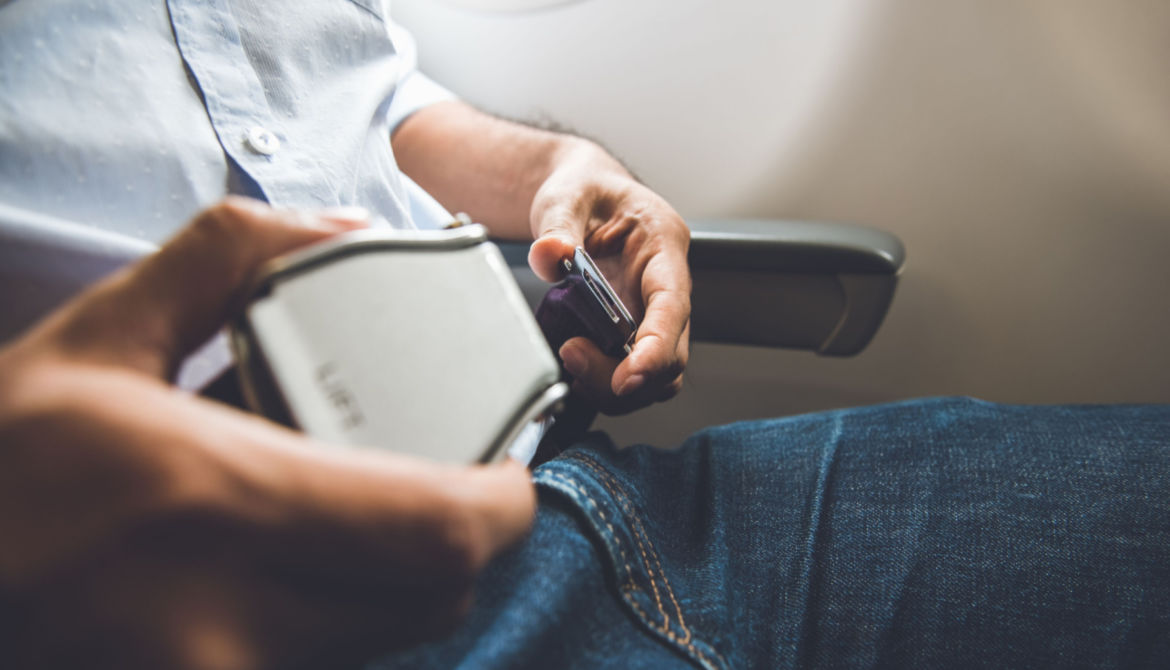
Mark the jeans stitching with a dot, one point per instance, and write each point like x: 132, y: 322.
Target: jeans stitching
x: 666, y: 580
x: 629, y: 584
x: 639, y: 530
x: 606, y: 480
x: 624, y: 501
x: 637, y: 538
x: 629, y: 573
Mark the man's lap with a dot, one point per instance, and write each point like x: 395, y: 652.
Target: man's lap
x: 946, y: 531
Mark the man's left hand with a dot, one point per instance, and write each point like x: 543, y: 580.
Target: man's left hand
x: 571, y: 193
x: 640, y: 243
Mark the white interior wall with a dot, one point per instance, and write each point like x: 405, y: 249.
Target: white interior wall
x: 1020, y: 150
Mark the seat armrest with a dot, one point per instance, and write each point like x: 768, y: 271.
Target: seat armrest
x: 791, y: 284
x: 793, y: 246
x: 784, y: 284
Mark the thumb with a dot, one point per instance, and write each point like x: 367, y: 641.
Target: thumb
x: 152, y: 314
x: 560, y: 231
x: 428, y: 520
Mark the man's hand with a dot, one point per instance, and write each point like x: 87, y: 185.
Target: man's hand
x: 145, y: 527
x: 640, y: 243
x: 564, y: 192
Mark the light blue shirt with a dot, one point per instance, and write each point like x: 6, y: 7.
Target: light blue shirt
x: 119, y: 120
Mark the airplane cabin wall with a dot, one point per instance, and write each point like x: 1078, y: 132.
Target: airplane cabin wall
x: 1020, y: 150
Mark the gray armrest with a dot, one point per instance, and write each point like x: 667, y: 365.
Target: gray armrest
x: 791, y: 284
x: 787, y: 284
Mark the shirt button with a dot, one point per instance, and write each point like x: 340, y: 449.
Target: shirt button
x: 262, y: 141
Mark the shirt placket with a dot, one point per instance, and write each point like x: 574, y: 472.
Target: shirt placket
x: 249, y: 132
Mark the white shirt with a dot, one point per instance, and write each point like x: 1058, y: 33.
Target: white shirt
x: 119, y: 120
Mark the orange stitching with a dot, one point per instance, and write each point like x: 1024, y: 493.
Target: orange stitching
x: 669, y: 591
x: 665, y: 579
x: 613, y: 533
x: 641, y: 530
x: 625, y: 503
x: 630, y: 585
x: 670, y: 635
x: 637, y: 538
x: 606, y: 477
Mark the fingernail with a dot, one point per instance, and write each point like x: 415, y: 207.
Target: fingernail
x: 252, y: 205
x: 574, y: 362
x: 633, y: 383
x: 349, y: 217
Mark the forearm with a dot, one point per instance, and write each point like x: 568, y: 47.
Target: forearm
x: 566, y: 192
x: 488, y: 167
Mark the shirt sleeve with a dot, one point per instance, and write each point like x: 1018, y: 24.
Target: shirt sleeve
x: 414, y: 89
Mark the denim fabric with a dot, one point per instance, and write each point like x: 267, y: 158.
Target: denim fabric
x: 931, y: 533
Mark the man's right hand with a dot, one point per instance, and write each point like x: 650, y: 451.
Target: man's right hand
x: 141, y: 526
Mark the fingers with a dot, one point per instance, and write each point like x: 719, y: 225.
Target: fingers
x: 505, y: 500
x: 202, y: 489
x: 590, y: 368
x: 661, y: 348
x: 453, y: 519
x: 594, y: 375
x: 560, y: 228
x: 396, y: 543
x: 397, y: 540
x: 152, y: 314
x: 662, y: 344
x: 369, y: 513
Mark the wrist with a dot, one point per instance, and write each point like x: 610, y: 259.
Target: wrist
x: 584, y: 157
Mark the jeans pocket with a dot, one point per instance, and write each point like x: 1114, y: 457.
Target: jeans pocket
x: 643, y: 586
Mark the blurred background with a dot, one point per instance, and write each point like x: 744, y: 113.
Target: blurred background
x: 1020, y: 150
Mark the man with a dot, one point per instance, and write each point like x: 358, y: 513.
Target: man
x: 145, y: 527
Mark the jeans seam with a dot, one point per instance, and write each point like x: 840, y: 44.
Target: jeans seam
x: 638, y: 537
x: 615, y: 489
x: 628, y: 580
x: 817, y: 523
x: 609, y: 482
x: 628, y: 584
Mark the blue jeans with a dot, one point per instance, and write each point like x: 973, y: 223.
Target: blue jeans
x: 931, y: 533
